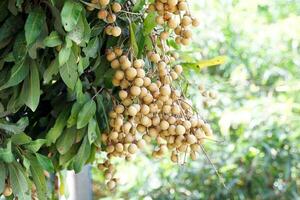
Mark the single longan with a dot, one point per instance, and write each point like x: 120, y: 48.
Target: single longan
x: 132, y: 148
x: 102, y: 14
x: 116, y: 31
x: 116, y: 7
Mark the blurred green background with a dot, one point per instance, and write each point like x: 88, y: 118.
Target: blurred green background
x: 256, y: 118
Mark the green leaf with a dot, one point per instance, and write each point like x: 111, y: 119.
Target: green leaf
x: 70, y: 14
x: 2, y: 176
x: 33, y: 25
x: 58, y: 127
x: 74, y: 114
x: 86, y: 113
x: 68, y: 72
x: 11, y: 26
x: 14, y: 128
x: 92, y: 130
x: 66, y: 140
x: 20, y: 48
x: 53, y: 40
x: 83, y: 64
x: 33, y: 97
x: 92, y: 48
x: 52, y: 70
x: 35, y: 145
x: 82, y: 155
x: 20, y: 139
x: 45, y: 162
x: 18, y: 181
x: 81, y: 32
x: 149, y: 23
x: 18, y: 73
x: 133, y: 43
x: 138, y: 6
x: 64, y: 55
x: 6, y: 154
x: 38, y: 177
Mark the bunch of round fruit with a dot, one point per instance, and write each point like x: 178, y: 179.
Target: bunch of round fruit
x: 151, y: 109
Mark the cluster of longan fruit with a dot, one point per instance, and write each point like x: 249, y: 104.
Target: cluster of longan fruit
x: 150, y: 110
x: 175, y: 15
x: 108, y: 12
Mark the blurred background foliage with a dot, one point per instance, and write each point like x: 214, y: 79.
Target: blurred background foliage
x: 256, y: 119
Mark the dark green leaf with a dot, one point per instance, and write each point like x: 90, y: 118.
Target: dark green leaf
x: 82, y: 155
x: 149, y: 23
x: 70, y: 14
x: 11, y: 26
x: 33, y: 97
x: 51, y: 71
x: 20, y: 139
x: 133, y: 42
x: 18, y: 181
x: 74, y: 114
x: 6, y: 154
x: 86, y: 113
x: 35, y: 145
x: 64, y: 55
x: 2, y: 176
x: 92, y: 48
x: 45, y: 162
x: 20, y: 47
x: 68, y: 72
x: 18, y: 73
x: 138, y: 6
x: 38, y: 177
x: 66, y: 140
x: 34, y: 22
x: 58, y: 127
x: 53, y: 40
x: 92, y: 130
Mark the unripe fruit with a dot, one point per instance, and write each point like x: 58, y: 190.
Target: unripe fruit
x: 111, y: 18
x: 186, y: 20
x: 119, y: 147
x: 108, y: 30
x: 172, y: 23
x: 141, y: 143
x: 119, y: 75
x: 115, y: 64
x: 7, y: 191
x: 123, y: 94
x: 139, y: 82
x: 116, y: 31
x: 155, y: 57
x: 164, y: 125
x: 131, y: 73
x: 102, y: 14
x: 116, y: 7
x: 111, y: 184
x: 135, y: 90
x: 191, y: 139
x: 182, y: 6
x: 111, y: 56
x: 195, y: 22
x: 118, y: 51
x: 138, y: 63
x: 165, y: 90
x: 132, y: 148
x: 180, y: 130
x: 172, y: 2
x: 178, y: 69
x: 159, y: 20
x: 103, y: 3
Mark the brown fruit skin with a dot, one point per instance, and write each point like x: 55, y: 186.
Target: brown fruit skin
x: 102, y: 14
x: 7, y: 191
x: 116, y: 7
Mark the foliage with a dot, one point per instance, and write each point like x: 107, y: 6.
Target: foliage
x: 256, y: 118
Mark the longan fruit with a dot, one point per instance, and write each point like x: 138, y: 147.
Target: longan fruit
x: 102, y: 14
x: 7, y: 191
x: 165, y: 90
x: 132, y: 148
x: 111, y: 18
x: 116, y: 31
x: 180, y: 130
x: 135, y: 90
x: 115, y: 64
x: 131, y: 73
x: 116, y: 7
x: 111, y: 184
x: 104, y: 3
x: 119, y: 75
